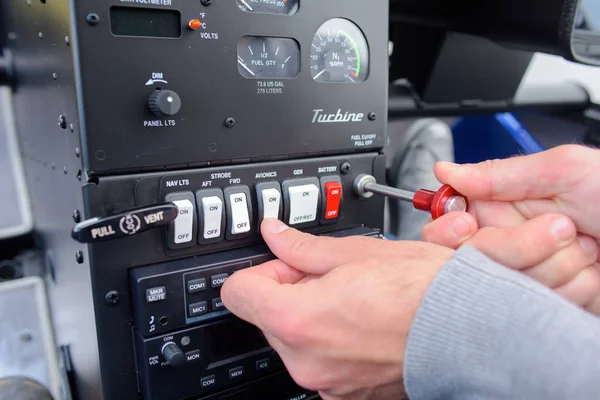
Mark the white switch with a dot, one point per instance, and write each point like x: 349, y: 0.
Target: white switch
x: 212, y: 211
x: 184, y: 223
x: 240, y: 219
x: 271, y: 199
x: 304, y: 201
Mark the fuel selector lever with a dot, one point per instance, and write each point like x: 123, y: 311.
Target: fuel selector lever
x: 442, y: 202
x: 127, y: 223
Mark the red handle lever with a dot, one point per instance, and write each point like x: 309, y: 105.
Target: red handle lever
x: 439, y: 203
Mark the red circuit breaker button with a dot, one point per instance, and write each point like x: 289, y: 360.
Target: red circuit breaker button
x: 333, y: 198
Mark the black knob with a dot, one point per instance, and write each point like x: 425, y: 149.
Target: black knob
x: 164, y: 103
x: 173, y: 354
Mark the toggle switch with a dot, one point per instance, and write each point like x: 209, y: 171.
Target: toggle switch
x: 182, y: 231
x: 270, y: 202
x: 239, y: 212
x: 211, y: 215
x: 302, y: 200
x: 333, y: 190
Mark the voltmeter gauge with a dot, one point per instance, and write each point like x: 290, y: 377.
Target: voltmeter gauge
x: 284, y: 7
x: 339, y: 53
x: 266, y: 57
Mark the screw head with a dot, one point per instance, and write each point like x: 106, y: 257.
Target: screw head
x: 372, y: 116
x: 62, y: 121
x: 92, y: 19
x: 76, y: 216
x: 345, y: 168
x: 79, y: 256
x: 112, y: 298
x: 230, y: 122
x: 206, y: 2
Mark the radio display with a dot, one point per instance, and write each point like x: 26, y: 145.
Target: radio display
x: 145, y: 22
x: 234, y: 338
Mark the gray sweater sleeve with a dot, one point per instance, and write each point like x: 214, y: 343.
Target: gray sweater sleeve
x: 486, y: 332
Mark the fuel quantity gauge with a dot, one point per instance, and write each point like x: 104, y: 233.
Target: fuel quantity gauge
x: 268, y: 58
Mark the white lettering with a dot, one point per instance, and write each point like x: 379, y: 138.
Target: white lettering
x: 323, y: 170
x: 222, y: 175
x: 181, y: 182
x: 102, y: 231
x: 159, y: 123
x: 209, y: 35
x: 320, y: 118
x: 298, y: 172
x: 262, y: 175
x: 153, y: 218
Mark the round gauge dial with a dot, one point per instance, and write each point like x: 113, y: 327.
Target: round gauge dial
x: 339, y: 53
x: 284, y: 7
x: 263, y: 57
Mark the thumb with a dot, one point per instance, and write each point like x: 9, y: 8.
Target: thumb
x: 312, y: 254
x: 451, y: 230
x: 534, y: 176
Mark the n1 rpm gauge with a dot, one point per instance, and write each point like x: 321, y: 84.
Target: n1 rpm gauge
x: 339, y: 53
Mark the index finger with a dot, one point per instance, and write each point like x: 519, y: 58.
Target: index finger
x: 537, y: 176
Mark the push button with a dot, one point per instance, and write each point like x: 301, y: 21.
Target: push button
x: 262, y: 365
x: 270, y: 203
x: 192, y: 356
x: 333, y: 199
x: 239, y: 211
x: 197, y: 309
x: 156, y: 294
x: 182, y: 231
x: 236, y: 373
x: 303, y: 198
x: 208, y: 381
x: 217, y: 304
x: 196, y: 285
x: 212, y: 215
x: 217, y: 281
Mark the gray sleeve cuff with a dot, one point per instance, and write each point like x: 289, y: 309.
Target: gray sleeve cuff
x: 484, y: 331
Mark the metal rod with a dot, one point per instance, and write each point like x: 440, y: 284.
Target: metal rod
x: 383, y: 190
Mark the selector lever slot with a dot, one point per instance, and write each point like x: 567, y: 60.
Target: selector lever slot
x: 127, y: 223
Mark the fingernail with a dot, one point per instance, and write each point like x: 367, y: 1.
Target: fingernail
x: 448, y: 165
x: 562, y: 229
x: 460, y: 228
x: 589, y: 245
x: 275, y: 226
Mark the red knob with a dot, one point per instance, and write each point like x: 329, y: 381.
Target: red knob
x: 435, y: 202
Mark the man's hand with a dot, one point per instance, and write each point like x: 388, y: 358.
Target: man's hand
x: 338, y: 311
x: 506, y: 194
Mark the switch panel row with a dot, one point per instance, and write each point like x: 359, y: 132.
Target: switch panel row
x: 213, y: 215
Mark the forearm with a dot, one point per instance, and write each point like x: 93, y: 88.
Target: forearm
x: 484, y: 331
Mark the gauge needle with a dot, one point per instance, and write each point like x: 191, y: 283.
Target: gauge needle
x: 241, y: 62
x: 246, y: 4
x: 319, y: 74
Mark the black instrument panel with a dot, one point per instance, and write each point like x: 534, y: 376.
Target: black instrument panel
x: 226, y: 109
